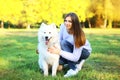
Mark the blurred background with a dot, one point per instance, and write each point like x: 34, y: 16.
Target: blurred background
x: 19, y: 23
x: 31, y: 13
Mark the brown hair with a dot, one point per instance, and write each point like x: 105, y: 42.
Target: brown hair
x: 79, y: 36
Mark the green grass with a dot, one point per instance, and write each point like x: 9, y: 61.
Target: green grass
x: 18, y: 60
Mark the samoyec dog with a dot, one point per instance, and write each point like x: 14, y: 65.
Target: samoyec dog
x: 47, y: 37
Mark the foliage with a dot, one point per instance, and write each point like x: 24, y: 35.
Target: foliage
x: 18, y: 60
x: 28, y: 12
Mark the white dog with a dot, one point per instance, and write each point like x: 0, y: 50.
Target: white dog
x: 47, y: 37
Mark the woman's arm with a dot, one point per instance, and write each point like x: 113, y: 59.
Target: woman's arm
x: 72, y: 56
x: 67, y: 55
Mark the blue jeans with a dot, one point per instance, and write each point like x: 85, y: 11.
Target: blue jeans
x: 67, y: 46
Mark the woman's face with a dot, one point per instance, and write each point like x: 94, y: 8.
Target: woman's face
x: 68, y: 22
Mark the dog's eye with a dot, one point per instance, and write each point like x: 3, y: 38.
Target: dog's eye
x: 44, y: 32
x: 49, y: 32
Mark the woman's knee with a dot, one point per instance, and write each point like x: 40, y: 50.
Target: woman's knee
x: 85, y: 54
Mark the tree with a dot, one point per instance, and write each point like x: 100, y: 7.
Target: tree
x: 24, y: 13
x: 107, y: 10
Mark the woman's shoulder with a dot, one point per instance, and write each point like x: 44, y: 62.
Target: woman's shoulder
x: 62, y: 25
x: 87, y: 41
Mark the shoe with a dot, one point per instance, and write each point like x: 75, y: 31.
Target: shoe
x: 71, y: 73
x: 79, y: 66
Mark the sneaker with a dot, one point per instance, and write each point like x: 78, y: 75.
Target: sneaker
x: 71, y: 73
x: 79, y: 66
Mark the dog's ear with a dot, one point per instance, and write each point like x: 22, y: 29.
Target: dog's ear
x: 42, y: 24
x: 53, y: 25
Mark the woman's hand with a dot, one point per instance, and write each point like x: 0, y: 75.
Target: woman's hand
x: 54, y: 50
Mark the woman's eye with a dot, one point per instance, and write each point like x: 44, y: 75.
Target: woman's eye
x: 68, y: 21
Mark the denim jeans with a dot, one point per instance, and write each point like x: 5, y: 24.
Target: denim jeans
x: 67, y: 46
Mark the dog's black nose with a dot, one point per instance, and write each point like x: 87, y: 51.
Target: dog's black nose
x: 46, y: 38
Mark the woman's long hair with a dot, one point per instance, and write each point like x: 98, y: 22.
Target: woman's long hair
x: 78, y: 34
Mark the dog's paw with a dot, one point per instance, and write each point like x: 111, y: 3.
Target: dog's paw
x: 45, y: 74
x: 60, y: 68
x: 54, y: 75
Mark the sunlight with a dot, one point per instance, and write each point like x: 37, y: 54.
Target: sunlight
x: 99, y: 31
x: 112, y: 58
x: 3, y: 63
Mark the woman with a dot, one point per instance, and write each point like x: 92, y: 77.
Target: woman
x: 75, y: 48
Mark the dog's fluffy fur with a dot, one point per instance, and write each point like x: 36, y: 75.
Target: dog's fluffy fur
x: 47, y: 37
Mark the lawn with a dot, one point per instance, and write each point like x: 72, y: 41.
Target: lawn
x: 18, y: 60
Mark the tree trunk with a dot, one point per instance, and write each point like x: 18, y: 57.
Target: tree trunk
x: 2, y: 24
x: 104, y: 23
x: 28, y: 27
x: 109, y: 24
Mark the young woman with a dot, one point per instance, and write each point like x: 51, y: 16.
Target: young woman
x: 75, y: 48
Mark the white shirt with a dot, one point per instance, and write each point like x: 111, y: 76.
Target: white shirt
x: 76, y: 51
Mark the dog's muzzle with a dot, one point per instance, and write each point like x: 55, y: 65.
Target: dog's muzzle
x: 47, y: 39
